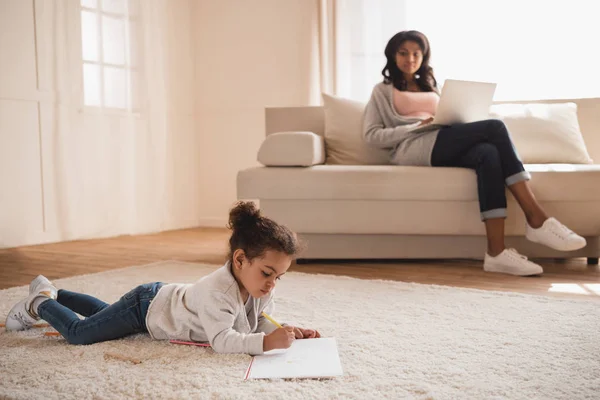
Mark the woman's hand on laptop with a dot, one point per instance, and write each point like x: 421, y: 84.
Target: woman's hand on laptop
x: 426, y: 121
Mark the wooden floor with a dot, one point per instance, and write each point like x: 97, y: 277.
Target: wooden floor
x: 572, y: 279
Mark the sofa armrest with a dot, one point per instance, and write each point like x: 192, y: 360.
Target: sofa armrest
x: 292, y: 149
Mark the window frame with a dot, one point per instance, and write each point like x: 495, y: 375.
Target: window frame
x: 129, y: 67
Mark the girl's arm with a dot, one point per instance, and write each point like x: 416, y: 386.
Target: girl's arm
x: 264, y: 325
x: 218, y: 319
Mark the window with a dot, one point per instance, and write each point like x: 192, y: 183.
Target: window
x: 533, y: 49
x: 110, y: 71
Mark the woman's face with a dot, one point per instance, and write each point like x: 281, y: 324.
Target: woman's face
x: 409, y: 57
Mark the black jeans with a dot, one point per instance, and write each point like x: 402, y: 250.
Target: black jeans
x: 486, y: 147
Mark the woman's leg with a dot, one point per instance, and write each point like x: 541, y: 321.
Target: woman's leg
x: 454, y: 142
x: 534, y: 213
x: 485, y: 159
x: 494, y: 229
x: 458, y: 139
x: 464, y: 146
x: 120, y: 319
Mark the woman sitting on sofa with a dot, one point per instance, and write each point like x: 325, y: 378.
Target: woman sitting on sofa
x: 408, y: 98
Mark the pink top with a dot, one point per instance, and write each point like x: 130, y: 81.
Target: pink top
x: 415, y: 104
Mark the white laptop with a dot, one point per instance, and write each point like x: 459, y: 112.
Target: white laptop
x: 462, y: 102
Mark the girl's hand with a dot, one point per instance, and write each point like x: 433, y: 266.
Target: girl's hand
x: 280, y: 338
x: 426, y: 121
x: 302, y: 333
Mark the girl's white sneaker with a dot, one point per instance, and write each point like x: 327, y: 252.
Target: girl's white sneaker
x: 19, y: 318
x: 42, y: 284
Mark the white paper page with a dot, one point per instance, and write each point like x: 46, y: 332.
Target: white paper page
x: 306, y: 358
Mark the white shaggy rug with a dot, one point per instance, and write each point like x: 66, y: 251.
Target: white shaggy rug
x: 396, y: 340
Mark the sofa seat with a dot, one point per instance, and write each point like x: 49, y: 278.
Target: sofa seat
x: 386, y: 199
x: 550, y: 182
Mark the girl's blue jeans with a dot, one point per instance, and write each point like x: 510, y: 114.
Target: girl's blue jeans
x: 103, y: 321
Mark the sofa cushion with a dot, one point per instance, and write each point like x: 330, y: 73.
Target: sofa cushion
x: 299, y: 149
x: 343, y: 134
x: 550, y: 182
x: 544, y: 133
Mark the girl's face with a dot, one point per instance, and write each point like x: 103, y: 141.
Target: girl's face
x: 259, y: 276
x: 409, y: 57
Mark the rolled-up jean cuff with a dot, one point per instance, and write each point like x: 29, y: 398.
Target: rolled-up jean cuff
x: 521, y: 176
x: 495, y: 213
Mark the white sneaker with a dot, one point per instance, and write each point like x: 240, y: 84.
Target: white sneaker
x: 556, y: 236
x: 19, y: 318
x: 42, y: 284
x: 511, y: 262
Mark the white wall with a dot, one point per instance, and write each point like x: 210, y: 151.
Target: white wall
x: 249, y: 55
x: 67, y: 173
x: 21, y: 202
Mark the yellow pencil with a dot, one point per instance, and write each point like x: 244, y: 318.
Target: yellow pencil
x: 267, y: 316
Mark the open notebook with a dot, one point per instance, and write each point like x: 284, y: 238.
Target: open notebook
x: 306, y: 358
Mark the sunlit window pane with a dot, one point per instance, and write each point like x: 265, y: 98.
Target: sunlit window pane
x: 89, y: 36
x: 114, y: 6
x: 553, y: 58
x: 113, y: 40
x: 110, y: 68
x: 91, y: 85
x: 507, y: 49
x: 115, y: 88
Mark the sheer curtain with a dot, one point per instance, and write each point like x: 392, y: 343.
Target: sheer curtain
x: 533, y: 49
x: 117, y: 121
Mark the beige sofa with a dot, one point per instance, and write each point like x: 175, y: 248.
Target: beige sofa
x: 403, y: 212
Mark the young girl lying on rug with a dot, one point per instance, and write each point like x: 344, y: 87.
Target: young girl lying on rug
x: 223, y: 308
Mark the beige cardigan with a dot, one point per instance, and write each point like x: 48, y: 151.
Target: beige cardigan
x: 384, y: 128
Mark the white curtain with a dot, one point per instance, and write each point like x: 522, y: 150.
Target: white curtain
x: 115, y: 148
x: 533, y: 49
x: 327, y: 44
